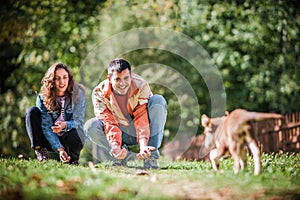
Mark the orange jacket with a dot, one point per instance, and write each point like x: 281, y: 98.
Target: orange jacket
x: 107, y: 110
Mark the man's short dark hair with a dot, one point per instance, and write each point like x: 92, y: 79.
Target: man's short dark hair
x: 118, y: 65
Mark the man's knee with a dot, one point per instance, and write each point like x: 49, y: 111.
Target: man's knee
x: 158, y: 99
x: 92, y: 125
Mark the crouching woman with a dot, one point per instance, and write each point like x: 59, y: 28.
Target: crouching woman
x: 56, y: 122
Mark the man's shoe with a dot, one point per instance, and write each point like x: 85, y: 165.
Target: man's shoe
x: 120, y: 163
x: 150, y: 163
x: 123, y: 162
x: 41, y: 154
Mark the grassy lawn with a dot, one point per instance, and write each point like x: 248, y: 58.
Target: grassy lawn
x: 30, y: 179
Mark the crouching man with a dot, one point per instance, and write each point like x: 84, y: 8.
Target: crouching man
x: 126, y: 113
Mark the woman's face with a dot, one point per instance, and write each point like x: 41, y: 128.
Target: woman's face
x: 61, y: 80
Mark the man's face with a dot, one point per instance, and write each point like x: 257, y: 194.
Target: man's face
x: 120, y: 81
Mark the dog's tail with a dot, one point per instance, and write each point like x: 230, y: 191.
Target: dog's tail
x: 259, y: 116
x: 245, y: 115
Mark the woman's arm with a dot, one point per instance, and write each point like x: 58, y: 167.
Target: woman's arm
x: 47, y: 123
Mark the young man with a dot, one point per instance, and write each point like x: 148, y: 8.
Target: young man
x: 127, y: 114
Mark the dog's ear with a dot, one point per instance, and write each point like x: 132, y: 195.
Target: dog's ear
x: 205, y: 121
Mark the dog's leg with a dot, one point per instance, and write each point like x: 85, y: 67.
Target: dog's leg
x: 243, y: 160
x: 243, y: 151
x: 234, y: 148
x: 254, y: 150
x: 236, y: 160
x: 213, y: 156
x: 256, y: 157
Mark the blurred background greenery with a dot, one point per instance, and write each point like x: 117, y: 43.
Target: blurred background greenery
x: 254, y: 44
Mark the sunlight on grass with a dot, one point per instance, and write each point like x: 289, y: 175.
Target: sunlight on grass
x: 30, y: 179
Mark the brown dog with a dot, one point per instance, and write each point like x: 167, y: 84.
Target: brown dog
x: 233, y: 133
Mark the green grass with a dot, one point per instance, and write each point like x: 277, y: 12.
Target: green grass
x: 30, y: 179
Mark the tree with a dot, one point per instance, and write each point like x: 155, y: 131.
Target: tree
x: 40, y: 33
x: 255, y: 44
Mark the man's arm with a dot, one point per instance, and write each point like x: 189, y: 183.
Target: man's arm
x: 140, y: 113
x: 111, y: 129
x: 141, y: 122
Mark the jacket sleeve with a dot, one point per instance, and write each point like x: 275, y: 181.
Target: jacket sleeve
x: 79, y: 112
x: 103, y: 113
x: 47, y: 122
x: 70, y: 123
x: 140, y: 114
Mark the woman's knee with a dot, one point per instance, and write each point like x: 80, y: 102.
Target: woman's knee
x: 33, y: 111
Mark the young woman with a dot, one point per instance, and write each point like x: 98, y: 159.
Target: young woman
x: 56, y: 122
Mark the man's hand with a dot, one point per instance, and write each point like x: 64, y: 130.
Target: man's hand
x: 118, y: 152
x: 145, y: 152
x: 64, y: 157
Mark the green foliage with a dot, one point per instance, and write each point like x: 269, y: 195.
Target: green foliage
x: 30, y: 179
x: 43, y: 33
x: 255, y: 45
x: 282, y: 163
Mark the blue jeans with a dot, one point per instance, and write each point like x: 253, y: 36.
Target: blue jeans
x: 157, y: 113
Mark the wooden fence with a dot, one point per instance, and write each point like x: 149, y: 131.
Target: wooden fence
x: 279, y: 135
x: 271, y: 135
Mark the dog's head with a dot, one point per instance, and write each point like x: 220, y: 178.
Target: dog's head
x: 213, y: 128
x: 207, y: 125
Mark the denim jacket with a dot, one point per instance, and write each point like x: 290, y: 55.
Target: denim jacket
x: 74, y: 117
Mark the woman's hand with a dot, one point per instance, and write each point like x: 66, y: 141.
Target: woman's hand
x: 64, y: 157
x: 59, y: 126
